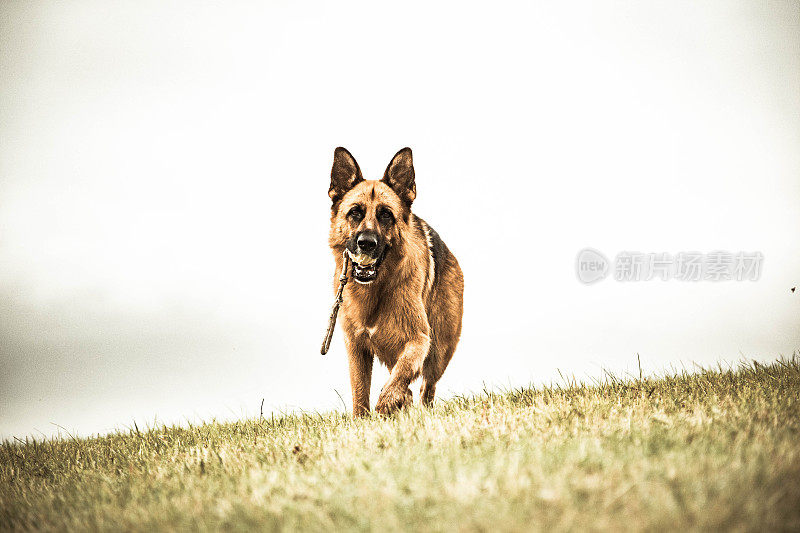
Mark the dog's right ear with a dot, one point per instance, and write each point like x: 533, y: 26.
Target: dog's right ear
x: 345, y: 174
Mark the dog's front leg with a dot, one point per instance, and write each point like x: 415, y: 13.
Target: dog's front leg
x: 396, y: 394
x: 360, y: 360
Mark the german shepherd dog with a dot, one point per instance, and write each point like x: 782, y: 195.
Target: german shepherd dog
x: 406, y: 304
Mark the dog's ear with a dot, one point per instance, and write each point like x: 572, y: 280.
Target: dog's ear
x: 399, y: 176
x: 345, y: 174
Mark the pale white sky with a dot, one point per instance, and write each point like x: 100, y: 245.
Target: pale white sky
x: 164, y: 172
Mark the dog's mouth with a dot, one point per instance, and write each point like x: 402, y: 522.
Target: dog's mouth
x: 365, y: 266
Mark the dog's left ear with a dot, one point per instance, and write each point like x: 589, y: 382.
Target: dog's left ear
x: 399, y: 176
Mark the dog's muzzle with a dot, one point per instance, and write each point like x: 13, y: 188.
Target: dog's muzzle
x: 366, y: 253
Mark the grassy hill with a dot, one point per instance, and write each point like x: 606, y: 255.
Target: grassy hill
x: 716, y: 449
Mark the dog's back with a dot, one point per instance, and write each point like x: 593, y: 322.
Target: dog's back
x: 444, y: 303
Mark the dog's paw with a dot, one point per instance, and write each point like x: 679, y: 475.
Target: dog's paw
x: 392, y: 399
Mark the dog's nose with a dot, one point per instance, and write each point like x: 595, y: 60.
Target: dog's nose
x: 367, y: 242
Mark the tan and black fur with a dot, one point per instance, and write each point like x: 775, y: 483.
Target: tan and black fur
x: 405, y: 307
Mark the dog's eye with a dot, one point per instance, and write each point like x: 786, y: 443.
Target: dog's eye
x: 386, y: 216
x: 355, y: 214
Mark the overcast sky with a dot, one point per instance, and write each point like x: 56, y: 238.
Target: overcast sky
x: 164, y: 171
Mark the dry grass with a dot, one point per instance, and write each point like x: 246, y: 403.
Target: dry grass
x: 713, y: 450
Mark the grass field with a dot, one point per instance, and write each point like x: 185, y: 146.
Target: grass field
x: 712, y: 450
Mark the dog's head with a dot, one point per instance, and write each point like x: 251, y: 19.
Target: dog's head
x: 369, y: 217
